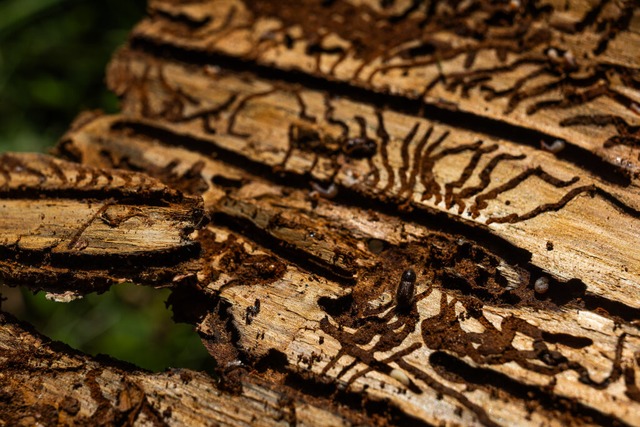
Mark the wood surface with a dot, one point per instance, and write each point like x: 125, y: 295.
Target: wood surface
x: 117, y: 225
x: 47, y: 383
x: 490, y: 147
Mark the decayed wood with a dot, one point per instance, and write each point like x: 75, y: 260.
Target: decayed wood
x: 443, y: 361
x: 72, y: 229
x: 337, y: 146
x: 525, y: 195
x: 566, y: 69
x: 339, y: 322
x: 45, y: 383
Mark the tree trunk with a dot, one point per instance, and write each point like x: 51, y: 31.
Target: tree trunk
x: 419, y: 213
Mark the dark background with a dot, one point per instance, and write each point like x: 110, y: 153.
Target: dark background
x: 53, y: 54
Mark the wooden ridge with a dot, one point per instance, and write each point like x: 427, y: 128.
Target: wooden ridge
x: 73, y: 229
x: 338, y: 323
x: 527, y: 196
x: 55, y: 385
x: 544, y: 66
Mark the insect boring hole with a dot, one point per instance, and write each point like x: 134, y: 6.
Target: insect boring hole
x: 560, y: 293
x: 130, y: 323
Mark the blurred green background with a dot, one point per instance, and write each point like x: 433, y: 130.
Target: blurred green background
x: 53, y: 54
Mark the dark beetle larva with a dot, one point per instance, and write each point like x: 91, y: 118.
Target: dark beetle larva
x: 360, y: 148
x: 406, y: 291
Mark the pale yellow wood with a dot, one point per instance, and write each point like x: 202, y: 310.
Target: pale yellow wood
x: 292, y: 321
x: 59, y: 217
x: 62, y: 387
x: 525, y: 195
x: 565, y: 350
x: 490, y: 147
x: 569, y: 72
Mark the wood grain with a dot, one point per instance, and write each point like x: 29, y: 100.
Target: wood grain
x: 72, y: 229
x: 562, y: 69
x: 50, y: 384
x: 527, y: 196
x: 309, y: 285
x: 339, y: 147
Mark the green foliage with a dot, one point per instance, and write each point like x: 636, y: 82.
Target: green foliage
x: 53, y: 55
x: 128, y: 322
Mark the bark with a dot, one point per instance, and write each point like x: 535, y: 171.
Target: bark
x: 421, y: 213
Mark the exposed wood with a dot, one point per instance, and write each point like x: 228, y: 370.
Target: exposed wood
x: 490, y: 150
x: 45, y: 383
x: 72, y: 229
x: 442, y: 361
x: 555, y: 342
x: 566, y: 69
x: 525, y: 195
